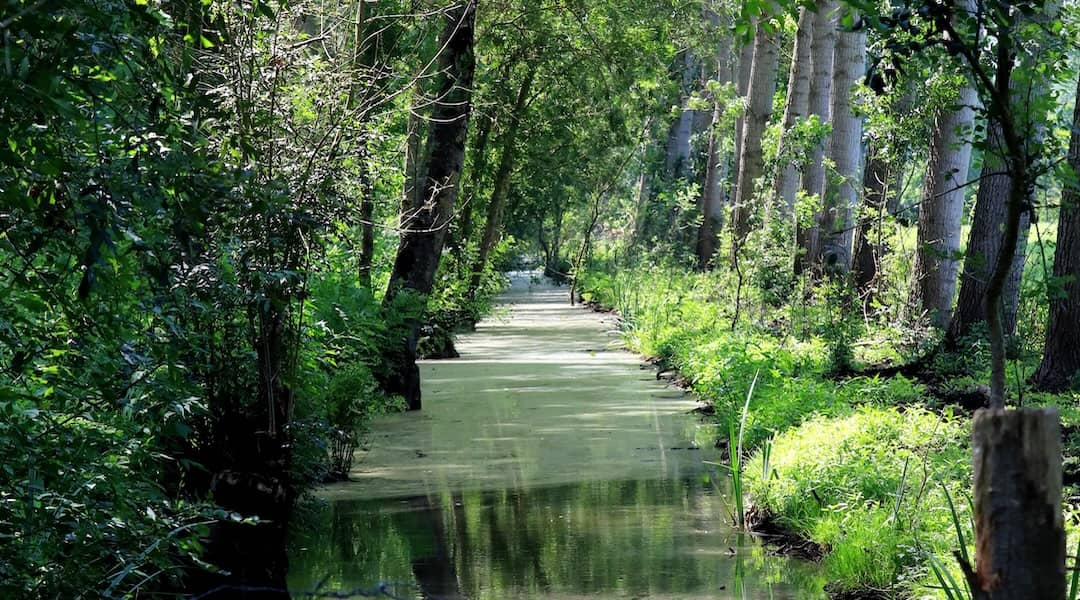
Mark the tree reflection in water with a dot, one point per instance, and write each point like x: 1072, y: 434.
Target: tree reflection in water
x: 654, y: 538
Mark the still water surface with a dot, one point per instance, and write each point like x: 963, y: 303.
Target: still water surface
x: 546, y: 463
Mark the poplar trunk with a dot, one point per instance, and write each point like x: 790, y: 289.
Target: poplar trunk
x: 942, y: 209
x: 795, y: 109
x: 821, y: 78
x: 759, y: 107
x: 845, y: 150
x: 712, y: 196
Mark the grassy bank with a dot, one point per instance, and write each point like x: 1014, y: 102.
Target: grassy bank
x: 874, y: 470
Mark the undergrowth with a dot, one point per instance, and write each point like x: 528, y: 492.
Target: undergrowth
x: 862, y: 466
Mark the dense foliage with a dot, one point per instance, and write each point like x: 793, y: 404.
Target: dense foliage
x: 208, y: 210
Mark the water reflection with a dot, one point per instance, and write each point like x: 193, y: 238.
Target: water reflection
x: 545, y: 464
x: 612, y: 539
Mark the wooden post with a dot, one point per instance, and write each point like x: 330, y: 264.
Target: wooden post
x: 1019, y: 528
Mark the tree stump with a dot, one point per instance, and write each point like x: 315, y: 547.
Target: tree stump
x: 1019, y: 528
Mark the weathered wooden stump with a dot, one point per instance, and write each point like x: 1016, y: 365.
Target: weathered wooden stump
x: 1019, y: 528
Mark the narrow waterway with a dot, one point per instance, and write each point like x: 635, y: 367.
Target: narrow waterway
x: 546, y: 463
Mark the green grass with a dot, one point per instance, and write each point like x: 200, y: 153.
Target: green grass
x: 864, y: 466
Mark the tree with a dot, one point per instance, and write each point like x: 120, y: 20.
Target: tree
x: 427, y: 213
x: 758, y: 109
x: 503, y: 175
x: 795, y: 109
x: 842, y: 192
x: 1011, y: 167
x: 1061, y: 355
x: 813, y: 175
x: 713, y: 192
x: 942, y: 207
x: 677, y: 158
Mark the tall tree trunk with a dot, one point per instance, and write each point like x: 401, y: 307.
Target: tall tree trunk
x: 642, y: 194
x: 984, y: 238
x: 503, y: 177
x: 367, y: 221
x: 813, y: 175
x: 478, y: 164
x: 1061, y: 355
x: 758, y: 109
x: 845, y: 150
x: 1005, y: 188
x: 798, y: 96
x: 432, y: 205
x: 942, y: 208
x: 868, y: 249
x: 742, y: 88
x: 712, y: 197
x: 677, y: 161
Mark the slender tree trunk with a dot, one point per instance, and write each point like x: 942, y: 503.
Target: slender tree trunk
x: 758, y: 109
x: 845, y: 150
x: 677, y: 161
x: 712, y: 193
x: 876, y: 178
x: 1061, y: 356
x: 798, y: 96
x: 813, y: 175
x: 432, y: 205
x: 942, y: 208
x: 742, y: 88
x: 367, y: 223
x: 478, y: 165
x: 642, y: 195
x: 1005, y: 189
x: 503, y: 177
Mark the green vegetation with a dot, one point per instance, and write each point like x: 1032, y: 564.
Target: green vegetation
x: 863, y: 466
x: 228, y: 230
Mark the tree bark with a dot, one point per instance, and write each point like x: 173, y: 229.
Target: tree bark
x: 432, y: 205
x: 1019, y: 528
x: 798, y: 96
x: 742, y: 88
x: 1061, y: 355
x: 712, y: 197
x: 367, y: 224
x: 845, y: 150
x: 503, y: 177
x: 759, y: 107
x: 996, y: 187
x: 677, y: 161
x: 942, y: 208
x: 868, y: 250
x: 485, y: 123
x: 813, y: 175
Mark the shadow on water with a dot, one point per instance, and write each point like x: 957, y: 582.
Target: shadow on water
x: 545, y: 464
